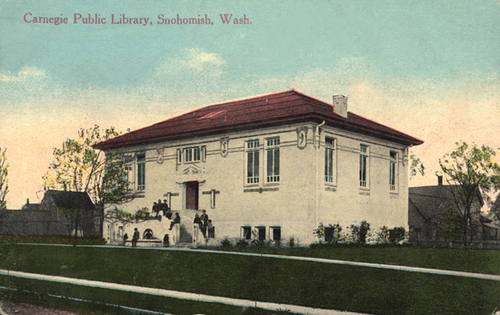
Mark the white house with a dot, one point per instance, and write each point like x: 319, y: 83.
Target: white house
x: 275, y: 165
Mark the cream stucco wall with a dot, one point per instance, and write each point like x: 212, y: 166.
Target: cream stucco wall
x: 297, y: 203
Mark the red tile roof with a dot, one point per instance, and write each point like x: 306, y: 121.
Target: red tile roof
x: 251, y: 113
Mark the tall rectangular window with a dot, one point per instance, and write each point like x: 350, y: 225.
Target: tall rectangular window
x: 393, y: 170
x: 130, y: 177
x: 252, y: 161
x: 273, y: 160
x: 363, y: 166
x: 330, y: 160
x: 141, y: 171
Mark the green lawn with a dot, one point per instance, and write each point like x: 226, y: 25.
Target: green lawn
x: 313, y: 284
x: 439, y: 257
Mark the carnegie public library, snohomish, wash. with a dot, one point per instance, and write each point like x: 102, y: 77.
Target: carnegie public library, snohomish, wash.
x: 272, y: 166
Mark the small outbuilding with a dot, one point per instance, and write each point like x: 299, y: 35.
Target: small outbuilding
x: 54, y: 215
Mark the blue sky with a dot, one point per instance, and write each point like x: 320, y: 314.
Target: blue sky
x: 427, y: 68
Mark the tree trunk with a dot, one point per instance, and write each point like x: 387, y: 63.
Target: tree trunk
x: 101, y: 219
x: 76, y: 229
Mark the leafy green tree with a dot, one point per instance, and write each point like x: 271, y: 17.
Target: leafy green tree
x: 77, y: 166
x: 473, y: 172
x: 4, y: 183
x: 416, y: 166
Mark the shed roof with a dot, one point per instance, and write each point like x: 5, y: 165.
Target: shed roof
x: 70, y: 199
x: 433, y: 201
x: 256, y: 112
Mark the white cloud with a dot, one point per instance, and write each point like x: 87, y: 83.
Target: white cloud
x: 24, y: 74
x: 192, y: 59
x: 197, y: 59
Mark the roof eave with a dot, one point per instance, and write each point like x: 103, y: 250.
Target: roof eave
x: 338, y: 122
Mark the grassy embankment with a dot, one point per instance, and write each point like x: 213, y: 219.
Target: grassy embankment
x: 353, y: 288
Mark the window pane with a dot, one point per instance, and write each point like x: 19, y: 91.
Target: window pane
x: 269, y: 162
x: 256, y: 166
x: 273, y: 160
x: 250, y: 165
x: 141, y: 171
x: 392, y: 170
x: 196, y: 153
x: 363, y: 165
x: 276, y: 161
x: 252, y: 161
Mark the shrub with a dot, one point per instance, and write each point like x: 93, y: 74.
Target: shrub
x: 397, y: 235
x: 226, y: 243
x: 383, y: 235
x: 331, y: 234
x: 277, y: 243
x: 291, y: 242
x: 242, y: 243
x: 391, y: 236
x: 359, y: 232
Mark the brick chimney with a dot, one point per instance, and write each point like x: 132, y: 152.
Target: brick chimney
x: 440, y: 180
x: 340, y: 104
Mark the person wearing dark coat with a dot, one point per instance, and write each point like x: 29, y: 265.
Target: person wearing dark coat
x: 204, y: 221
x: 155, y: 208
x: 197, y: 220
x: 135, y: 237
x: 167, y: 212
x: 177, y: 220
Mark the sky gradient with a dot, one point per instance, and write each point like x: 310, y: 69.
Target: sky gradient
x: 426, y: 68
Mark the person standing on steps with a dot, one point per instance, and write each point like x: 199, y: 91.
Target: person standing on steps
x: 204, y: 221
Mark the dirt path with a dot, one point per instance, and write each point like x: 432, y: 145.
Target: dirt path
x: 8, y: 307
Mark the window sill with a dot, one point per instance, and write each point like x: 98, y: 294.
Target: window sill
x: 192, y: 162
x: 253, y: 185
x: 274, y: 184
x: 139, y: 193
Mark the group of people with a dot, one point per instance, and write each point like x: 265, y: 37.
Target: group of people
x: 162, y: 206
x: 202, y: 220
x: 204, y: 223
